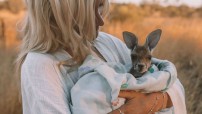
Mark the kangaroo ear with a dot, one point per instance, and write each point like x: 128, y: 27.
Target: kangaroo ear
x: 153, y: 39
x: 130, y: 40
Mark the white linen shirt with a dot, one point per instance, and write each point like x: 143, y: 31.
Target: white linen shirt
x: 46, y: 88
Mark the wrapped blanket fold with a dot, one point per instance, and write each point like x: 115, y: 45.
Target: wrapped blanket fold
x: 100, y: 84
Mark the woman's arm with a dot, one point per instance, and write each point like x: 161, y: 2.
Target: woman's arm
x: 42, y: 89
x: 140, y: 103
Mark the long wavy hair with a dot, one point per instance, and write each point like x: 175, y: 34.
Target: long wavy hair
x: 50, y: 25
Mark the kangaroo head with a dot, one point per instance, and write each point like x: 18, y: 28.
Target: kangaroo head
x: 141, y: 55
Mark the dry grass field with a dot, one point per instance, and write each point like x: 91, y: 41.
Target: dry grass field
x: 181, y: 43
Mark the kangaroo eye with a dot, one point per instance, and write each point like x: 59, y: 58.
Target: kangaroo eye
x: 134, y: 57
x: 149, y: 57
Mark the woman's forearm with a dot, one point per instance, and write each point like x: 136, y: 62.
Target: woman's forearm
x: 117, y: 111
x: 143, y: 103
x: 164, y: 102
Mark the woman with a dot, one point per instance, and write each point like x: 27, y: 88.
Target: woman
x: 57, y: 37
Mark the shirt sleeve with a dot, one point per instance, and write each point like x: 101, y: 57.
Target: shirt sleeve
x: 42, y: 87
x: 177, y: 95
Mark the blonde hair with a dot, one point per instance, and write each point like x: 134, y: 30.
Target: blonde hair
x: 53, y: 24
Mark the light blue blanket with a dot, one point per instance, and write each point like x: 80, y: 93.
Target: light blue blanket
x: 100, y: 84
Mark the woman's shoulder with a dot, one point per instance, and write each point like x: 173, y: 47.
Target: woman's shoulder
x: 111, y: 42
x: 38, y: 58
x: 42, y: 59
x: 113, y: 48
x: 108, y: 38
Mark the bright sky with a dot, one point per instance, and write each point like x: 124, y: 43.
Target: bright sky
x: 192, y: 3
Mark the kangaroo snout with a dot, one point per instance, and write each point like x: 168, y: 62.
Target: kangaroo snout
x: 140, y: 67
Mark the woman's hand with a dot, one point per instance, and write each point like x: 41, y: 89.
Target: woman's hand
x: 142, y: 103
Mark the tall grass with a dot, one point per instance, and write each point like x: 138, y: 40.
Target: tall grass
x: 9, y: 93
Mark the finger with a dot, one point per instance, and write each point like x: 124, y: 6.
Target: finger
x: 128, y: 94
x: 115, y: 103
x: 125, y: 94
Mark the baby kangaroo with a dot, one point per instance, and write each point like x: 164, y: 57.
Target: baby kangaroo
x: 141, y: 55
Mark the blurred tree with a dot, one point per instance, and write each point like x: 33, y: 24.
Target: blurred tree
x: 2, y: 34
x: 199, y: 11
x: 13, y: 5
x: 4, y: 4
x: 186, y: 11
x: 181, y: 11
x: 123, y: 12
